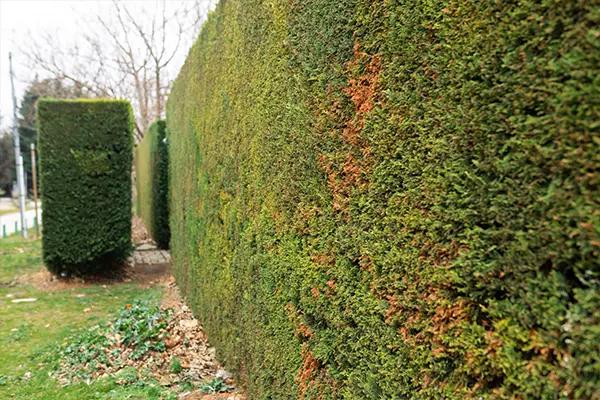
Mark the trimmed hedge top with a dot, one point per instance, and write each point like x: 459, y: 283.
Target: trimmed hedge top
x: 152, y: 180
x: 393, y: 200
x: 85, y: 175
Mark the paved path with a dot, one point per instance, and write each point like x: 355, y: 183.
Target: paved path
x: 11, y: 223
x: 148, y: 254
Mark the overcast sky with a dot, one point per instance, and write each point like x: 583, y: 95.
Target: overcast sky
x: 19, y: 19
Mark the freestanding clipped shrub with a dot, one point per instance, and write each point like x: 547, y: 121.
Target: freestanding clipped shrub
x: 152, y: 173
x: 393, y: 199
x: 85, y: 173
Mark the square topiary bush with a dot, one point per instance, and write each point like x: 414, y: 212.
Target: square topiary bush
x: 152, y: 181
x: 85, y: 174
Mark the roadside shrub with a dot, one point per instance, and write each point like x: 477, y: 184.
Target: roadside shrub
x: 85, y: 172
x: 393, y: 200
x: 152, y: 179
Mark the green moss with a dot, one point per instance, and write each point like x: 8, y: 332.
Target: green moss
x: 152, y: 181
x: 393, y: 200
x: 85, y: 172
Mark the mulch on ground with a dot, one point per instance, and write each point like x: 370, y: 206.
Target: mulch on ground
x: 185, y: 341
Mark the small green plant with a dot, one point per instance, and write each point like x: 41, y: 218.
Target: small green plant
x: 175, y: 365
x: 132, y: 381
x: 85, y: 353
x: 216, y: 385
x: 140, y: 325
x: 186, y: 385
x: 127, y: 376
x: 19, y: 333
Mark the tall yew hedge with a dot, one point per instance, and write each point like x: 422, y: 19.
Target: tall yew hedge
x: 152, y: 179
x: 391, y: 199
x: 85, y: 174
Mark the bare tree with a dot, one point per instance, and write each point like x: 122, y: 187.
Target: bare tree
x: 127, y: 53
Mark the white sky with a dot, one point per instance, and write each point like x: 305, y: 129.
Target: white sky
x: 19, y: 19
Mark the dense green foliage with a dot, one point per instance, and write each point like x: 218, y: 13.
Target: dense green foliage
x: 48, y: 87
x: 393, y: 200
x: 152, y: 181
x: 85, y: 149
x: 7, y: 162
x: 37, y: 89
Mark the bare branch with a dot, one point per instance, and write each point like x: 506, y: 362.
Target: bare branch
x: 128, y: 53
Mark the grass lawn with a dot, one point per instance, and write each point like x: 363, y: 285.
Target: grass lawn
x: 30, y: 333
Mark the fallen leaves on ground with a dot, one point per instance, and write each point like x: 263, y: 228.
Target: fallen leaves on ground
x: 175, y: 351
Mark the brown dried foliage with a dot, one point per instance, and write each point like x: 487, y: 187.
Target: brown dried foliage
x: 323, y: 259
x: 302, y: 331
x: 363, y: 91
x: 307, y: 372
x: 447, y: 317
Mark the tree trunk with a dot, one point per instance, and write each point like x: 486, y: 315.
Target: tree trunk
x: 158, y: 95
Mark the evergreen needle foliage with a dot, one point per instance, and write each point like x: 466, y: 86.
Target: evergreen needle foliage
x: 391, y: 199
x: 85, y: 172
x: 152, y: 181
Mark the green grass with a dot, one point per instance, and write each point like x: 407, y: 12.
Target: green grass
x: 18, y: 257
x: 30, y: 333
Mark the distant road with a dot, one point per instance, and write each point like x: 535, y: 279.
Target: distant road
x: 11, y: 223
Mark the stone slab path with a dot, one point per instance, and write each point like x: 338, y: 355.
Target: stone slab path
x: 149, y: 254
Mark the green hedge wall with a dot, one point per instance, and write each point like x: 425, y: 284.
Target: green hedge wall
x: 85, y: 149
x: 152, y: 180
x: 391, y: 199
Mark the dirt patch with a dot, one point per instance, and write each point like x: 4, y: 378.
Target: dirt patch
x: 171, y: 297
x: 218, y: 396
x: 44, y: 280
x: 147, y: 266
x: 188, y: 342
x: 145, y: 274
x: 139, y: 233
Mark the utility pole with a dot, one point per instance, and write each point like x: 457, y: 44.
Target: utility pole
x: 36, y: 223
x: 18, y: 157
